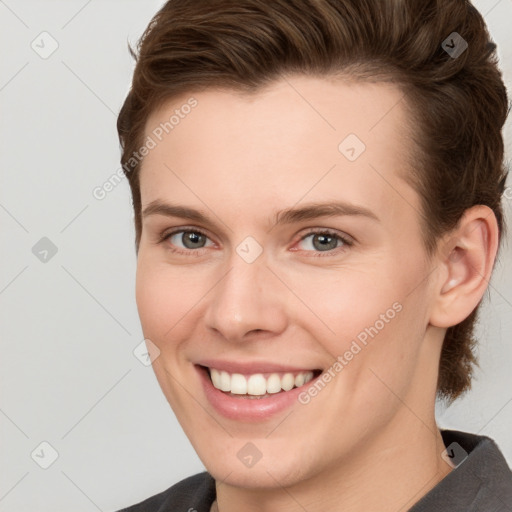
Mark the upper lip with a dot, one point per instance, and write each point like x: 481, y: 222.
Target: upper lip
x: 252, y: 367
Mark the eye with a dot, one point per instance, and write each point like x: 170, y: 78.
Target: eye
x: 191, y: 240
x: 323, y: 240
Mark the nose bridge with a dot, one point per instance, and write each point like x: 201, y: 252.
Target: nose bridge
x: 246, y: 298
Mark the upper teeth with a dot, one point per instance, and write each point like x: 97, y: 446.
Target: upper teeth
x: 257, y: 384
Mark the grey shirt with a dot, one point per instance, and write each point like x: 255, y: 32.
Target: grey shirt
x: 480, y: 482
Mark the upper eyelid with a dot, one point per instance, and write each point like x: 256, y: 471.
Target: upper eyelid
x: 341, y: 234
x: 172, y: 231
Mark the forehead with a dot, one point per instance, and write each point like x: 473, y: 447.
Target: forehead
x: 298, y: 137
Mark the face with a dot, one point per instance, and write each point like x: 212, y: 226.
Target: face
x: 245, y: 270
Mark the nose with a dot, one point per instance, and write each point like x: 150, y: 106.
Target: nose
x: 248, y: 301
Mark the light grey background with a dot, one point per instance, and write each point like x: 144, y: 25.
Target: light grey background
x: 69, y: 324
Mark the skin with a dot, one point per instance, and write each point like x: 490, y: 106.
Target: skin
x: 369, y: 439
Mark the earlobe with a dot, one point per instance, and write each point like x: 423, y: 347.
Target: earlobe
x: 466, y: 267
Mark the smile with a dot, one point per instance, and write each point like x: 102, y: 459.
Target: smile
x: 258, y: 385
x: 252, y: 391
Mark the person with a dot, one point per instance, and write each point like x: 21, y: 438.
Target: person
x: 317, y: 200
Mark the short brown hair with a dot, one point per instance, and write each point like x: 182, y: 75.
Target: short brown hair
x: 458, y: 104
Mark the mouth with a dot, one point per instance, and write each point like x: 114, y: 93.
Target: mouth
x: 258, y: 386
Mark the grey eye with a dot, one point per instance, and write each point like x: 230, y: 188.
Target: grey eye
x: 321, y: 241
x: 189, y: 239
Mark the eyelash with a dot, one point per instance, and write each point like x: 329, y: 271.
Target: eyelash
x: 197, y: 252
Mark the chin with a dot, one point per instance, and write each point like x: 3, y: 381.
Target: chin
x: 275, y: 470
x: 261, y: 477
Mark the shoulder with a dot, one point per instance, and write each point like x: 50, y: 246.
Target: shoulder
x: 481, y: 479
x: 193, y: 494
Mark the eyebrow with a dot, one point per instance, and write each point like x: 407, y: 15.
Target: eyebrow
x: 292, y: 215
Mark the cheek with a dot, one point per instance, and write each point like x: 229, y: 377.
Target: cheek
x: 342, y: 305
x: 371, y: 320
x: 164, y: 301
x: 164, y: 296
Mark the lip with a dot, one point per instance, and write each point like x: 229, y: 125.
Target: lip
x: 252, y: 367
x: 247, y: 409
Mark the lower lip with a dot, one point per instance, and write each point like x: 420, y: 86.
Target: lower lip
x: 248, y: 409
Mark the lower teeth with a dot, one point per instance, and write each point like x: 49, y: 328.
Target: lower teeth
x: 252, y: 397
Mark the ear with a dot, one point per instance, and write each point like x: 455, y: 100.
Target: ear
x: 465, y: 261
